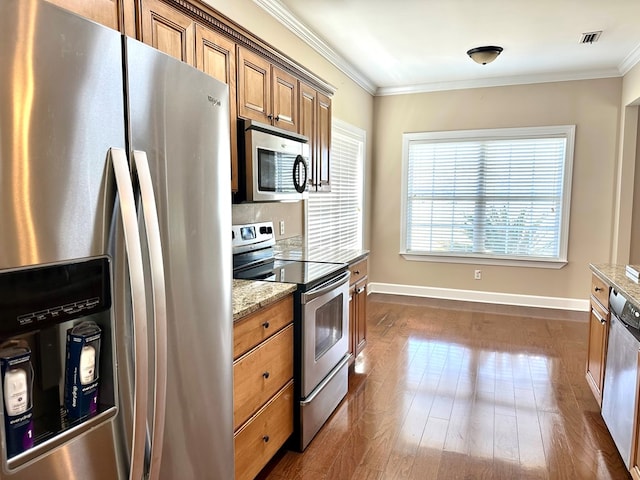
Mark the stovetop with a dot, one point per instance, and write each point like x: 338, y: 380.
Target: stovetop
x: 254, y: 259
x: 291, y: 271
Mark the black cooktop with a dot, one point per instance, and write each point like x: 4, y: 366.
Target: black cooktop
x: 305, y: 274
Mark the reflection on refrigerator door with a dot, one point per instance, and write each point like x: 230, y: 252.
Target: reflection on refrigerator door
x: 56, y: 355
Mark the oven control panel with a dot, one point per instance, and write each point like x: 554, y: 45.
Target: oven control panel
x: 252, y: 236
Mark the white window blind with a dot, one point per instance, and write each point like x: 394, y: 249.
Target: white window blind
x: 488, y: 193
x: 334, y: 219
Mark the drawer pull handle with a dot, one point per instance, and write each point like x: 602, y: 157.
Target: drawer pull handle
x: 265, y: 438
x: 357, y: 272
x: 598, y: 289
x: 265, y: 324
x: 265, y: 374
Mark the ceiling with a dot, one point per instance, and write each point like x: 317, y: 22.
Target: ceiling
x: 402, y: 46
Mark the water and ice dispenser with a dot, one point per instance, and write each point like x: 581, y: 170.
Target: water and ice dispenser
x: 56, y: 355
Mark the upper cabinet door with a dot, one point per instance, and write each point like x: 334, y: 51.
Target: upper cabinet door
x: 308, y: 126
x: 168, y: 30
x: 323, y: 159
x: 254, y: 86
x: 216, y: 56
x: 315, y: 124
x: 105, y: 12
x: 266, y: 93
x: 285, y: 99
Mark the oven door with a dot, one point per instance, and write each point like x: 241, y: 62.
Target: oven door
x: 325, y: 330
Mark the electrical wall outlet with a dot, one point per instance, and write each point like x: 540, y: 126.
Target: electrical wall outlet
x: 477, y: 274
x: 281, y: 227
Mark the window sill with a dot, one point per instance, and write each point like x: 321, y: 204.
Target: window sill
x: 501, y: 261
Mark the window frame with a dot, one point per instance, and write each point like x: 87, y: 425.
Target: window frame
x: 566, y: 131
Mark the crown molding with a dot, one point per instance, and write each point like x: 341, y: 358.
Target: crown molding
x: 286, y: 18
x: 495, y: 82
x: 630, y: 61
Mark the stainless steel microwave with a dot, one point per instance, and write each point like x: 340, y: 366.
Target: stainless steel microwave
x: 274, y: 163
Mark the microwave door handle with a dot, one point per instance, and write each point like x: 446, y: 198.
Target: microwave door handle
x: 118, y: 160
x: 140, y: 165
x: 325, y: 288
x: 300, y: 164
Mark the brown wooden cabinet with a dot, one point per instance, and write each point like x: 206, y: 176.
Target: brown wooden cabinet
x: 168, y: 30
x: 105, y: 12
x: 264, y: 84
x: 315, y: 124
x: 358, y: 308
x: 263, y: 385
x: 266, y: 93
x: 323, y: 160
x: 598, y: 336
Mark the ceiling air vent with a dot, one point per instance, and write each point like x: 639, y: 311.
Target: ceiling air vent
x: 590, y: 37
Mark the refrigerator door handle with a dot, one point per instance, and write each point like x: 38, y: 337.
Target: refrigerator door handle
x: 140, y: 166
x: 138, y: 305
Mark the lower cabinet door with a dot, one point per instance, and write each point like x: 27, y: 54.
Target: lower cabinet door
x: 598, y: 333
x: 262, y: 436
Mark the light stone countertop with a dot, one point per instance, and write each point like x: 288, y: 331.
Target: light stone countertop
x: 294, y: 249
x: 251, y: 295
x: 615, y: 276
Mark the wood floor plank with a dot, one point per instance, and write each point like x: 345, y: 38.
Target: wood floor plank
x: 451, y: 390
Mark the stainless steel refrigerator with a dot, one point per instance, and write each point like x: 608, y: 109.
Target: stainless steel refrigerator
x: 115, y: 208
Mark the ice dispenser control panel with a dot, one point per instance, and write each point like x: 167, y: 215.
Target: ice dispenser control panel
x: 37, y: 297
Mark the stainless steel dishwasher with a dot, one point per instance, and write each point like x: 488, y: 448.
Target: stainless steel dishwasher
x: 621, y: 373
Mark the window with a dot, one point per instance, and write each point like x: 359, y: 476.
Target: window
x: 494, y: 196
x: 334, y: 219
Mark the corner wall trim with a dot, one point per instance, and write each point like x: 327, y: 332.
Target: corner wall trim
x: 577, y: 304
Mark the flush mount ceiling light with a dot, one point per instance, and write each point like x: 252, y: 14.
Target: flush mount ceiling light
x: 484, y: 55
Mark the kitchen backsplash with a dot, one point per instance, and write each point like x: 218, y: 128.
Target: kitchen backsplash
x: 292, y: 213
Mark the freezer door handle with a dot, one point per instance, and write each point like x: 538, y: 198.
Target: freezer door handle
x: 140, y: 166
x: 118, y: 160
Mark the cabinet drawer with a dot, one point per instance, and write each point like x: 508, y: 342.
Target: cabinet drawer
x: 600, y: 291
x: 601, y: 311
x: 358, y: 270
x: 259, y: 374
x: 261, y: 437
x: 253, y: 329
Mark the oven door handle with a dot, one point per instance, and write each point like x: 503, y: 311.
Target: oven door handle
x: 325, y: 288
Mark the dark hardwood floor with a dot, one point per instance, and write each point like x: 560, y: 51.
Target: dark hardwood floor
x: 452, y: 390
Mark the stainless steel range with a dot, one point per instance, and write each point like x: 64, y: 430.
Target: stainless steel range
x: 321, y: 323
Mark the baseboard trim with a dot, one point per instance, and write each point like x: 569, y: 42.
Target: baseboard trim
x: 576, y: 304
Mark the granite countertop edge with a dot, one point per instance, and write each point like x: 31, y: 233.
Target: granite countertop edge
x: 615, y: 276
x: 251, y: 295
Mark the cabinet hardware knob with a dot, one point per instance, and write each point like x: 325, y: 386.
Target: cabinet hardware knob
x: 265, y: 374
x: 265, y: 438
x: 265, y: 324
x: 277, y: 118
x: 357, y: 272
x: 598, y: 289
x: 270, y: 117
